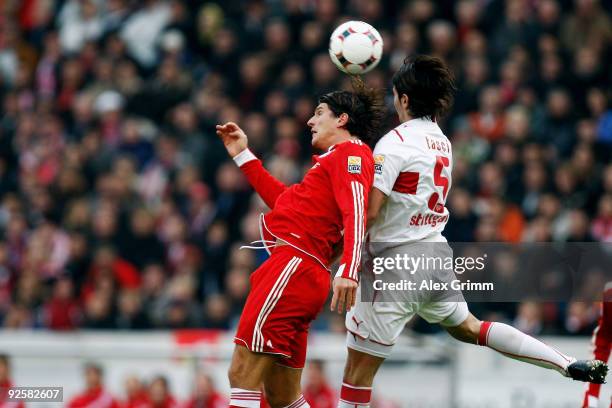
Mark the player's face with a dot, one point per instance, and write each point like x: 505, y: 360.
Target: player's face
x: 324, y: 127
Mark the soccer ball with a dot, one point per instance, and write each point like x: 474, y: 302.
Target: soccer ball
x: 355, y: 47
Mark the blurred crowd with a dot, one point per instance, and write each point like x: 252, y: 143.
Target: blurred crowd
x: 119, y: 208
x: 138, y: 393
x: 156, y: 391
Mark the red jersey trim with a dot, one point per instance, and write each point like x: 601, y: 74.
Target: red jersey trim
x: 237, y: 339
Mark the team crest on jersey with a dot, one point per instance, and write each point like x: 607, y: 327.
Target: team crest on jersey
x: 354, y: 164
x: 379, y: 159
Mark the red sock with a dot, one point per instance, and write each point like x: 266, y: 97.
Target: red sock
x: 484, y: 331
x: 355, y: 396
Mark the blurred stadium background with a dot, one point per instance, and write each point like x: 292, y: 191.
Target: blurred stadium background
x: 121, y: 216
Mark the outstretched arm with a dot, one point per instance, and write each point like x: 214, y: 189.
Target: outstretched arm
x: 236, y: 143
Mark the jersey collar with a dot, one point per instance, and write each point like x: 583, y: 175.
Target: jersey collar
x: 332, y: 147
x: 422, y: 121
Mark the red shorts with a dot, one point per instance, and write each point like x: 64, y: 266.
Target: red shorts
x: 287, y: 293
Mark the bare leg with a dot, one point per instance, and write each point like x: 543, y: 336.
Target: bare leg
x: 246, y: 374
x: 519, y: 346
x: 282, y: 386
x: 359, y: 373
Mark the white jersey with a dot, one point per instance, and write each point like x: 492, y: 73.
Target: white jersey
x: 413, y: 164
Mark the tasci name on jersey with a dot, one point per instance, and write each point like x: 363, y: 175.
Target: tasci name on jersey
x: 379, y: 159
x: 354, y: 164
x: 439, y: 145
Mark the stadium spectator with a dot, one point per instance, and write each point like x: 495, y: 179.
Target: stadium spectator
x: 205, y: 395
x: 317, y: 391
x: 6, y: 382
x: 135, y: 392
x: 160, y: 395
x: 94, y: 393
x: 62, y: 311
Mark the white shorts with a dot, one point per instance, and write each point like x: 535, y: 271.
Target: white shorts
x: 373, y: 327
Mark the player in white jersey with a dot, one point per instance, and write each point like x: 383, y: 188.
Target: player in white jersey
x: 407, y: 209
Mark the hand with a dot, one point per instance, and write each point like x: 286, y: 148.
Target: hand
x: 344, y: 294
x: 234, y: 139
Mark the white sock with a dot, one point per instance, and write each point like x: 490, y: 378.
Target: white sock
x: 344, y: 404
x: 245, y: 398
x: 519, y: 346
x: 299, y: 403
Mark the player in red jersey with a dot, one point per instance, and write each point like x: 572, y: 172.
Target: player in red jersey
x: 317, y: 391
x: 305, y: 222
x: 95, y: 394
x: 135, y: 393
x: 205, y: 395
x: 6, y: 383
x: 602, y: 341
x: 412, y: 179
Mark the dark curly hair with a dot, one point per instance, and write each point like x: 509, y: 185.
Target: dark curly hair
x: 365, y: 108
x: 429, y: 85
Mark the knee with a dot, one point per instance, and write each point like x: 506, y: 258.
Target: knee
x: 468, y: 331
x: 235, y: 375
x: 473, y: 327
x: 238, y: 374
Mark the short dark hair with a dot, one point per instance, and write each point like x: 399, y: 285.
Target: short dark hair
x: 429, y: 85
x: 365, y: 108
x: 90, y: 365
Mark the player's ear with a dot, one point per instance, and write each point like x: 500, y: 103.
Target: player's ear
x: 404, y: 101
x: 343, y: 119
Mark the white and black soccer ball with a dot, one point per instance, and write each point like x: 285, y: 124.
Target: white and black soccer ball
x: 355, y: 47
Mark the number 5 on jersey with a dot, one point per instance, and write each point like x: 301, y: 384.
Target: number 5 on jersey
x: 434, y: 203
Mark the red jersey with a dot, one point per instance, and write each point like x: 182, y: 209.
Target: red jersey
x: 97, y: 397
x: 602, y: 341
x: 168, y: 402
x: 323, y: 397
x: 330, y: 203
x: 138, y: 400
x: 4, y: 386
x: 214, y: 400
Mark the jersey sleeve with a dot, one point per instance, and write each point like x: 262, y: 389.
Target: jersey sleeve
x: 265, y: 184
x: 352, y: 174
x: 388, y: 164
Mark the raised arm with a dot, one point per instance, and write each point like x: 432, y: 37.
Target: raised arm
x: 236, y: 143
